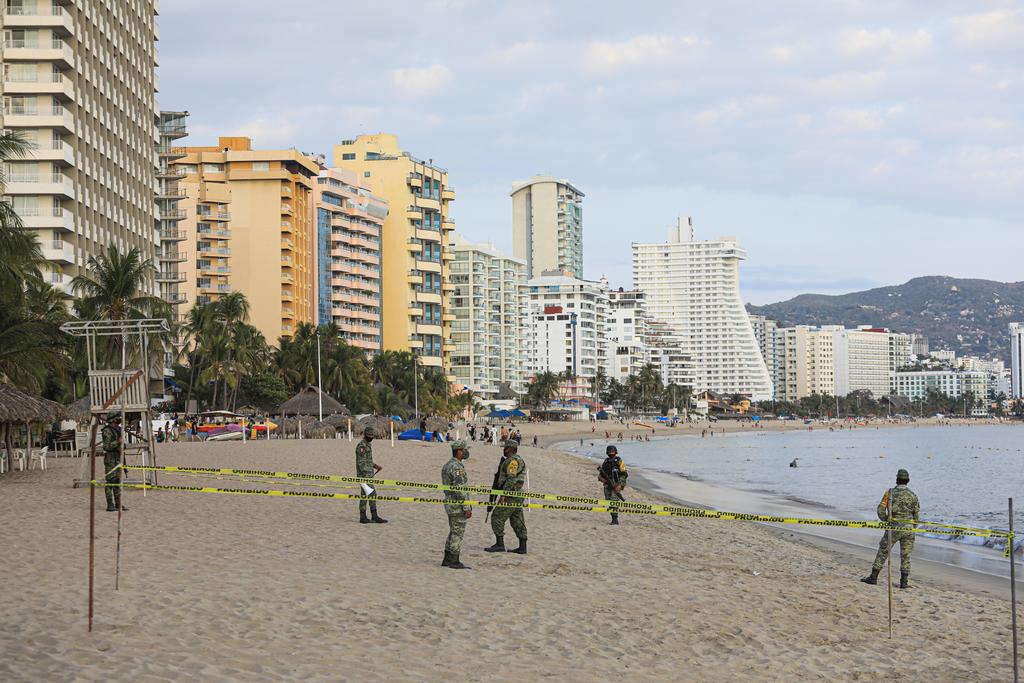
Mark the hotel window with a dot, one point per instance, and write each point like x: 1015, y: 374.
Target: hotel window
x: 261, y: 165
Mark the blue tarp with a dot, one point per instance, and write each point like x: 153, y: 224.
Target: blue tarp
x: 499, y: 413
x: 516, y: 413
x: 417, y: 435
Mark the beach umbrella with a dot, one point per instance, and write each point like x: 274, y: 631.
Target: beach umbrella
x: 307, y: 402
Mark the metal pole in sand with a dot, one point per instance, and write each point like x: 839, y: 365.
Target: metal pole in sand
x: 92, y: 511
x: 120, y: 491
x: 888, y: 561
x: 392, y: 423
x: 1013, y: 594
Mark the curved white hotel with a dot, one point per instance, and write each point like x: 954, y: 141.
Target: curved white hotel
x: 694, y: 287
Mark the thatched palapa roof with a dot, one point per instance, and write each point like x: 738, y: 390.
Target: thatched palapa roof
x: 307, y: 402
x: 18, y: 406
x: 79, y: 411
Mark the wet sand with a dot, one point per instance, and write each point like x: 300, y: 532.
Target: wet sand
x: 221, y: 587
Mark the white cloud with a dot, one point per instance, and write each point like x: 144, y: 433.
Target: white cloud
x: 641, y: 51
x: 998, y: 30
x: 416, y: 82
x: 883, y: 43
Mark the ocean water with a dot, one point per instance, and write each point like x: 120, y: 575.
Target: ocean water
x: 962, y: 474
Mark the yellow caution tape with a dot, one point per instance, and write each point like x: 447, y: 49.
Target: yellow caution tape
x: 577, y: 503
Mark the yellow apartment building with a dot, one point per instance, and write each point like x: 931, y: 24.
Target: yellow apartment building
x: 248, y: 221
x: 415, y: 251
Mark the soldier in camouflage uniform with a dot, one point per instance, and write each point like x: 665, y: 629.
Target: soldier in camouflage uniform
x: 111, y: 460
x: 366, y: 467
x: 510, y: 477
x: 612, y: 473
x: 454, y: 474
x: 905, y: 506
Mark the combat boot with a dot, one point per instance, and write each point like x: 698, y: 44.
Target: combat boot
x: 499, y: 545
x: 615, y: 520
x: 456, y: 563
x: 374, y: 517
x: 522, y: 547
x: 363, y: 519
x: 873, y: 579
x: 904, y: 579
x: 447, y: 561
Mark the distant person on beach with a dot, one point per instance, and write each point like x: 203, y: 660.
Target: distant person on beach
x: 454, y: 474
x: 511, y: 476
x: 612, y: 473
x: 899, y: 503
x: 367, y: 468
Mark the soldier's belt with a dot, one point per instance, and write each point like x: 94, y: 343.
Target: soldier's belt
x: 560, y: 502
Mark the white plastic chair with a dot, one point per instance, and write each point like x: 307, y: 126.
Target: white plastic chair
x: 3, y: 460
x: 40, y: 456
x: 19, y: 457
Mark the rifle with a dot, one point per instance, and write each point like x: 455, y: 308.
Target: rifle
x: 493, y: 496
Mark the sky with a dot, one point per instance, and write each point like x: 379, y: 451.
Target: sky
x: 847, y: 144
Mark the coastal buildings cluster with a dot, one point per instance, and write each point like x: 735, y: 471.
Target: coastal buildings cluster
x: 363, y: 237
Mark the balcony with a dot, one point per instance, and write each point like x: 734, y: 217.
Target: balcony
x: 172, y: 172
x: 55, y: 184
x: 172, y: 193
x: 54, y: 151
x: 286, y: 210
x: 176, y: 298
x: 213, y: 233
x: 211, y: 270
x: 215, y: 288
x: 56, y: 117
x: 170, y: 277
x: 172, y: 235
x: 169, y: 152
x: 170, y: 214
x: 428, y: 203
x: 173, y: 256
x: 58, y: 251
x: 287, y: 245
x: 213, y: 251
x: 38, y: 84
x: 413, y: 213
x: 35, y: 50
x: 214, y: 216
x: 447, y: 224
x: 49, y: 219
x: 59, y: 281
x: 172, y: 130
x: 54, y: 18
x: 448, y: 194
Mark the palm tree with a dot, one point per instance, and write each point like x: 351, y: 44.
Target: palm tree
x: 114, y: 288
x: 543, y: 388
x: 20, y: 256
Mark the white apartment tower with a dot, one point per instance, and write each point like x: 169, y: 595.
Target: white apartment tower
x: 1017, y: 360
x: 79, y: 82
x: 566, y: 330
x: 693, y: 286
x: 626, y: 334
x: 489, y: 302
x: 547, y: 226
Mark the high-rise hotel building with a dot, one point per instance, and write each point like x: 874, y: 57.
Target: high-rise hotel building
x: 547, y: 226
x: 349, y: 220
x: 694, y: 287
x: 490, y: 308
x: 171, y: 249
x: 1017, y: 360
x: 79, y: 82
x: 248, y: 228
x: 415, y: 251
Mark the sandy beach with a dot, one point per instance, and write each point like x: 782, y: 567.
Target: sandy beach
x: 220, y: 587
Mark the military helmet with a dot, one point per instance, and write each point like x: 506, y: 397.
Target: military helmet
x: 511, y: 443
x: 113, y: 415
x: 460, y: 443
x: 902, y: 475
x: 611, y: 450
x: 369, y: 431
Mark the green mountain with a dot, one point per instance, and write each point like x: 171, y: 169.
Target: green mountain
x: 969, y: 317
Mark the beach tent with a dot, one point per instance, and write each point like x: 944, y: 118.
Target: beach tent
x: 417, y: 435
x: 516, y: 413
x: 602, y: 415
x: 499, y: 413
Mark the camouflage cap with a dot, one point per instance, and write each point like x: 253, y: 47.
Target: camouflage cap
x: 903, y: 474
x: 456, y: 445
x: 611, y: 449
x: 369, y: 431
x: 511, y: 443
x: 113, y: 415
